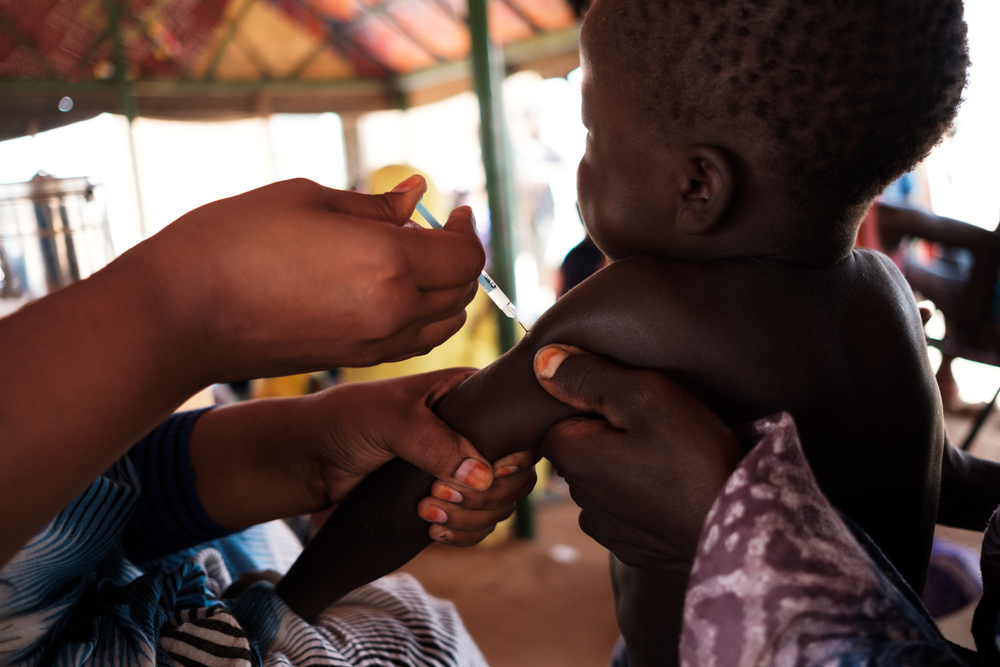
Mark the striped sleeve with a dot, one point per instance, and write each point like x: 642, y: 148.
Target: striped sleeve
x: 205, y: 637
x: 169, y: 515
x: 390, y: 622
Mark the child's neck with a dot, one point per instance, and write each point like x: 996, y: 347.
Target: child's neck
x: 805, y: 239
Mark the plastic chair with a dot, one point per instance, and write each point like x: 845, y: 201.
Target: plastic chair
x: 982, y: 356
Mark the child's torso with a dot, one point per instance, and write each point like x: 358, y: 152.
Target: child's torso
x: 840, y: 348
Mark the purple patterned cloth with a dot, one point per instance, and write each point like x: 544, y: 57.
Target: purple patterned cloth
x: 953, y: 578
x: 780, y: 578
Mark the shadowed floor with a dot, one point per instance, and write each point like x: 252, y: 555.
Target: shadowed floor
x: 524, y: 607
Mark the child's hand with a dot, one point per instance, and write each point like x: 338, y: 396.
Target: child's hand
x: 295, y: 276
x: 647, y: 469
x: 462, y: 516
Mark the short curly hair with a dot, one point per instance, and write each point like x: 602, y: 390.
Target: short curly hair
x: 848, y: 94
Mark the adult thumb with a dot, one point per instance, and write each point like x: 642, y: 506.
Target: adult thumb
x: 395, y: 206
x: 430, y: 444
x: 585, y: 381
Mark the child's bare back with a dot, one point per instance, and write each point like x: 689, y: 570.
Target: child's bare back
x: 840, y: 348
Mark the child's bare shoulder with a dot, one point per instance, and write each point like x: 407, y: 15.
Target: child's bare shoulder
x: 682, y: 282
x: 760, y: 302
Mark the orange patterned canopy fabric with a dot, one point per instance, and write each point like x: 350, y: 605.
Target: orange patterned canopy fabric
x: 71, y: 40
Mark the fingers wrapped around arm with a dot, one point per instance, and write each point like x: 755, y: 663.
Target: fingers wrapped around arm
x: 647, y: 466
x: 462, y: 516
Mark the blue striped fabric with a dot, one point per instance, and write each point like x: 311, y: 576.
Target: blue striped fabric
x: 169, y: 516
x: 74, y: 594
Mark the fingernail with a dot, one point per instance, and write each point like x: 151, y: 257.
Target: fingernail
x: 408, y: 184
x: 446, y: 537
x: 506, y: 471
x: 447, y: 493
x: 433, y: 514
x: 475, y: 474
x: 547, y: 361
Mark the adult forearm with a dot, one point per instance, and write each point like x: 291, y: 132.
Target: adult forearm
x: 252, y: 462
x: 266, y: 459
x: 86, y: 373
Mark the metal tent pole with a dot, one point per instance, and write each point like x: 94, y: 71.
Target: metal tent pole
x: 115, y: 10
x: 488, y: 74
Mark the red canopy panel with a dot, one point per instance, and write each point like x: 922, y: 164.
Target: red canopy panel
x: 232, y: 39
x: 545, y: 15
x: 389, y: 45
x: 205, y: 59
x: 434, y: 28
x: 70, y: 40
x: 506, y: 25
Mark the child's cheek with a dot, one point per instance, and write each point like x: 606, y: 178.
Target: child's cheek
x: 585, y: 191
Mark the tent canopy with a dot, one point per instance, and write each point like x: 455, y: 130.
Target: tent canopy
x: 214, y: 59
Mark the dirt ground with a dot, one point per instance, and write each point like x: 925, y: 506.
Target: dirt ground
x: 548, y: 603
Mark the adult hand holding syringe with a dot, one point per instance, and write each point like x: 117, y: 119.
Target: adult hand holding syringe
x: 485, y: 281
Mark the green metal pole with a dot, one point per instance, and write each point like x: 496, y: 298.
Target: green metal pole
x: 126, y: 100
x: 488, y: 72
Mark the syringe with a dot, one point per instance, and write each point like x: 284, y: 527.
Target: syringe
x: 488, y: 284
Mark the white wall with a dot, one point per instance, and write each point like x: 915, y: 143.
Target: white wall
x: 181, y: 165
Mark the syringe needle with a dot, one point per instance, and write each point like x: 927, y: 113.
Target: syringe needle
x: 485, y: 281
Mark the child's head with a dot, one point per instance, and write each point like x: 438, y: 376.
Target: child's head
x: 814, y: 107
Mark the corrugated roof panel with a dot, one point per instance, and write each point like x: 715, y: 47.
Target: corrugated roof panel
x: 390, y: 46
x: 506, y: 25
x: 545, y: 14
x: 164, y: 39
x: 338, y: 10
x: 436, y: 29
x: 223, y: 58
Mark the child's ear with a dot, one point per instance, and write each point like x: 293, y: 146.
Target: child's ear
x: 706, y: 180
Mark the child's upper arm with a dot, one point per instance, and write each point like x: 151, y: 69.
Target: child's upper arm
x: 502, y: 409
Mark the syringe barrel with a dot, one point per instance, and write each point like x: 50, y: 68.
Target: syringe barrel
x: 487, y: 283
x: 502, y: 302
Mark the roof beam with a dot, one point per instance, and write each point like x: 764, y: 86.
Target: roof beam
x: 25, y: 42
x: 21, y: 101
x: 232, y: 28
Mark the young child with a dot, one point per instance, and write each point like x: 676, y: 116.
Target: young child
x: 734, y: 148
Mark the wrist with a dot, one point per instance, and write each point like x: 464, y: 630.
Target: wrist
x: 165, y: 311
x: 336, y: 458
x: 252, y: 462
